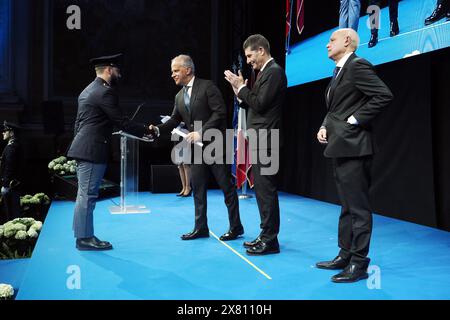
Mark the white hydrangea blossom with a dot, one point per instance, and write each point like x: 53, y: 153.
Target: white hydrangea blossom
x: 32, y: 233
x: 21, y: 235
x: 26, y: 221
x: 6, y: 291
x: 10, y: 229
x: 37, y: 225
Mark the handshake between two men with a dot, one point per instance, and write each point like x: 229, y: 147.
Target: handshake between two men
x: 192, y: 137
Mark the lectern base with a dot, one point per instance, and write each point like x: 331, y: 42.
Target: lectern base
x: 128, y: 209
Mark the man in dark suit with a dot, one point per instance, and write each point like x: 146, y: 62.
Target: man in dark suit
x: 98, y: 114
x: 354, y: 97
x: 10, y: 172
x: 201, y: 101
x: 264, y: 105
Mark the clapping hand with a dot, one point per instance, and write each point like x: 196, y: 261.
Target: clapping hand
x: 236, y: 81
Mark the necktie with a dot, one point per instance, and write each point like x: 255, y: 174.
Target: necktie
x: 336, y: 72
x: 187, y: 99
x: 259, y: 75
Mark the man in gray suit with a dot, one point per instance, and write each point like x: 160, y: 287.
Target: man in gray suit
x: 201, y: 101
x: 98, y: 114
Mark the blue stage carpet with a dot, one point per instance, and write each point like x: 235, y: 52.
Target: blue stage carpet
x: 12, y: 272
x: 149, y: 261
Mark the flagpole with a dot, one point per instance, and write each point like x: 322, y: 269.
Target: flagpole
x: 244, y: 194
x: 288, y: 50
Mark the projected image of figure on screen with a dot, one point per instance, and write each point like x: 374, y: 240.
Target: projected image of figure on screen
x: 349, y: 14
x: 441, y: 10
x: 374, y: 11
x: 389, y: 30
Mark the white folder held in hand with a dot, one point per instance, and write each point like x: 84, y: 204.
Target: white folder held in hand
x: 184, y: 135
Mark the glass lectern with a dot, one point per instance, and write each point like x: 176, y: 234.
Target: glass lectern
x: 129, y: 176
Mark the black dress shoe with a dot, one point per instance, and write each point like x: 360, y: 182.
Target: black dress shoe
x: 232, y: 234
x: 395, y: 30
x: 373, y: 38
x: 351, y: 273
x: 336, y: 263
x: 438, y: 13
x: 263, y: 248
x: 92, y: 244
x: 204, y: 233
x: 249, y: 244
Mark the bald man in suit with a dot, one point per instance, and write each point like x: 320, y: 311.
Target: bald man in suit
x: 354, y: 97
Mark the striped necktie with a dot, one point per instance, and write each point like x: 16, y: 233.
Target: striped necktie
x: 187, y: 99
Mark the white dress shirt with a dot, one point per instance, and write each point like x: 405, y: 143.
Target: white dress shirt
x: 340, y: 64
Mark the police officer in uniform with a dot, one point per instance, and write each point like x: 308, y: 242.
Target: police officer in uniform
x: 10, y: 173
x: 98, y: 114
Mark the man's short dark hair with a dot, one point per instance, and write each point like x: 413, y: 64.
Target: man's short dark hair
x: 256, y: 41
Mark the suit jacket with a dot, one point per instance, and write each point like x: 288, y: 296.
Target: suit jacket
x: 264, y: 102
x: 98, y: 114
x: 206, y: 105
x: 356, y: 91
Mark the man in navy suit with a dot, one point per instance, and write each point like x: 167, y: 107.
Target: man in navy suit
x: 264, y: 104
x: 354, y: 97
x: 98, y: 114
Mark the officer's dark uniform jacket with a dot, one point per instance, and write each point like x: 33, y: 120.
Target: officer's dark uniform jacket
x: 98, y: 114
x: 10, y: 163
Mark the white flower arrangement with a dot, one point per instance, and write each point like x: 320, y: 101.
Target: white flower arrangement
x: 63, y: 167
x: 6, y: 291
x: 38, y: 198
x: 20, y: 228
x: 17, y: 237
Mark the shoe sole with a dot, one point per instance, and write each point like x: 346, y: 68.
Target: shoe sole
x: 231, y: 239
x: 198, y: 237
x: 262, y: 253
x: 351, y: 281
x: 94, y: 249
x: 327, y: 268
